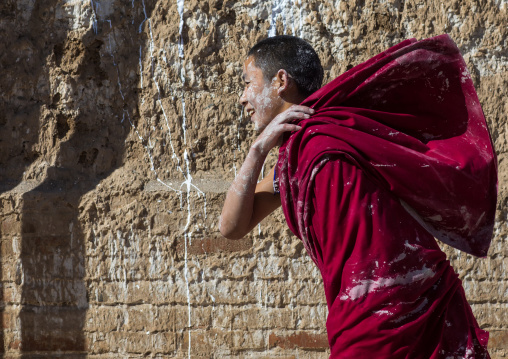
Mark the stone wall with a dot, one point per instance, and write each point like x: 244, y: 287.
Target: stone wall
x: 120, y: 132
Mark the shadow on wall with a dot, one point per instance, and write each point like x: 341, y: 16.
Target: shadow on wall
x: 85, y: 136
x: 24, y: 94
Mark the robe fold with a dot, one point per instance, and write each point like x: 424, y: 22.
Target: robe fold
x: 397, y: 153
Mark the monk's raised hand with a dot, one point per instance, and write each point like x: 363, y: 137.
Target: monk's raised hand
x: 273, y: 131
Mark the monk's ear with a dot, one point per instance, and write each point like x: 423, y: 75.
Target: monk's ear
x: 282, y: 81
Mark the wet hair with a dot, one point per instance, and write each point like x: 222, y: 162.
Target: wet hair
x: 292, y: 54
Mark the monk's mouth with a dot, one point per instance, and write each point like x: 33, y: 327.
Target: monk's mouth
x: 251, y: 112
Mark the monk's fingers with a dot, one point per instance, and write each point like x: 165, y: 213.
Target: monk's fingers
x: 299, y: 109
x: 297, y: 114
x: 291, y: 114
x: 270, y: 135
x: 284, y: 127
x: 277, y: 130
x: 302, y: 109
x: 290, y: 127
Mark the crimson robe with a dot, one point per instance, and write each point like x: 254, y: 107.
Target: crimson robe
x: 397, y: 153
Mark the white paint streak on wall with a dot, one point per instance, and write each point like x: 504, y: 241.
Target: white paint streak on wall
x: 184, y: 116
x: 292, y: 12
x: 180, y: 28
x: 120, y: 260
x: 279, y: 8
x: 140, y: 68
x: 186, y: 275
x: 93, y: 17
x: 301, y: 18
x: 146, y: 17
x: 501, y: 4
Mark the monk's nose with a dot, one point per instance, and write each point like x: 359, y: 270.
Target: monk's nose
x: 242, y: 100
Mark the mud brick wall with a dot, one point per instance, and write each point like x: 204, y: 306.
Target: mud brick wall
x: 120, y: 132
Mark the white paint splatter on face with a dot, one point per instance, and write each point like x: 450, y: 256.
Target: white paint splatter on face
x: 260, y: 99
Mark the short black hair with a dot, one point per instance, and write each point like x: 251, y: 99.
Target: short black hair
x: 292, y: 54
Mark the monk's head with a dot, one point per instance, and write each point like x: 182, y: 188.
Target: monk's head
x: 279, y: 71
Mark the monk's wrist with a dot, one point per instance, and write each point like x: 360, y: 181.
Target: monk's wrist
x: 259, y: 150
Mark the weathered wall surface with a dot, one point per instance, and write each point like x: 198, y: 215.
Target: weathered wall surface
x: 119, y: 133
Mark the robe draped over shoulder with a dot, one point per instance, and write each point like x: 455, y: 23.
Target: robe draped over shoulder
x: 397, y: 153
x: 411, y: 119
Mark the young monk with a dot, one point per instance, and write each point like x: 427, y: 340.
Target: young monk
x: 371, y: 168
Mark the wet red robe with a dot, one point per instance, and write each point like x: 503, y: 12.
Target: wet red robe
x: 397, y: 153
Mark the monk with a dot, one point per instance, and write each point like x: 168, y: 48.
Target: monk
x: 372, y: 168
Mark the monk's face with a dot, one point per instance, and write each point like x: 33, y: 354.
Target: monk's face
x: 260, y: 97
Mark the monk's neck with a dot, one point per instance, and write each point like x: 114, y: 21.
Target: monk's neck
x: 289, y: 101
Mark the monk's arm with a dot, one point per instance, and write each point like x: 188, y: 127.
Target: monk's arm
x: 248, y: 202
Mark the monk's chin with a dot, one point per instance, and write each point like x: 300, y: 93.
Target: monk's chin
x: 259, y: 128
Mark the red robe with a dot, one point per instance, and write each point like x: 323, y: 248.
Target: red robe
x: 397, y: 153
